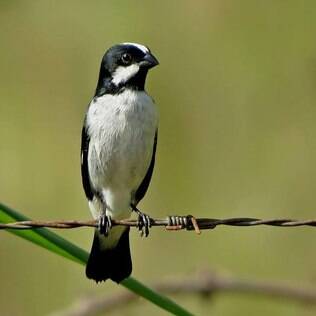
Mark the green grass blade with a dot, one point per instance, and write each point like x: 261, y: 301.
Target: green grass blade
x: 43, y: 237
x: 53, y: 242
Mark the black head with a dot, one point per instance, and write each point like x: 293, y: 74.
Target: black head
x: 124, y: 66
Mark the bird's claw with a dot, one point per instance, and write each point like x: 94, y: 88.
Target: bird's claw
x: 105, y: 224
x: 144, y: 223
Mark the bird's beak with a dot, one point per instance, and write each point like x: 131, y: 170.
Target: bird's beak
x: 149, y: 61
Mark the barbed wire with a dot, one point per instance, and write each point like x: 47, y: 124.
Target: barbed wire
x: 205, y: 283
x: 187, y: 222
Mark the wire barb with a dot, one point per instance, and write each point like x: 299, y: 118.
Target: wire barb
x: 172, y: 223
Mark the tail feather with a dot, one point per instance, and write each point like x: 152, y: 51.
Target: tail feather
x: 114, y: 263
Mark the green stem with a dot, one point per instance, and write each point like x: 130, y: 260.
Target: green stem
x: 53, y: 242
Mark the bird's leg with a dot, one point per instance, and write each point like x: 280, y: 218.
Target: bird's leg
x: 105, y: 221
x: 104, y: 224
x: 144, y: 221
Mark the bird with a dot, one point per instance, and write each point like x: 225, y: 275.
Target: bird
x: 118, y: 147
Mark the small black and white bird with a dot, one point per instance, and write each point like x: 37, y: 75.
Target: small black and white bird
x: 119, y: 139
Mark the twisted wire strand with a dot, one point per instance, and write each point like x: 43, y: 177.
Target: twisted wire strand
x: 187, y: 222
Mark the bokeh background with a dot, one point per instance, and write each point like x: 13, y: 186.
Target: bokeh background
x: 236, y: 89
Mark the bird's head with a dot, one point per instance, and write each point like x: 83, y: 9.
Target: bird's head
x: 125, y: 66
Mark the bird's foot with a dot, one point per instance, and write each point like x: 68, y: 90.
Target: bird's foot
x: 144, y: 221
x: 105, y: 224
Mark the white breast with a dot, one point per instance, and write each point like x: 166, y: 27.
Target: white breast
x: 122, y: 130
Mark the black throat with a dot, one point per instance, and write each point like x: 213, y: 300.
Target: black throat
x: 106, y: 86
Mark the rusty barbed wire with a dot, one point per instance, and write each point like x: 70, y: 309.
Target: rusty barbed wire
x: 187, y: 222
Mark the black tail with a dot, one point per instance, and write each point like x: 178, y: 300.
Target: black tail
x: 114, y: 264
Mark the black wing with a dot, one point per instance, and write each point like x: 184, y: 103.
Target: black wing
x: 85, y: 140
x: 141, y: 191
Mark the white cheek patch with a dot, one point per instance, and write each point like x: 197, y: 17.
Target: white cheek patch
x: 143, y: 48
x: 123, y: 74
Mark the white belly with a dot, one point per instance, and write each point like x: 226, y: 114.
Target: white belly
x: 122, y: 130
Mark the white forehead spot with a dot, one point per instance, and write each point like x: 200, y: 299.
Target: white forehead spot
x: 143, y: 48
x: 123, y: 74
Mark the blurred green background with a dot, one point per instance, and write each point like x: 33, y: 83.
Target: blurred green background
x: 236, y: 89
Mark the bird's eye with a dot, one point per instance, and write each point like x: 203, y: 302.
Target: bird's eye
x: 126, y: 59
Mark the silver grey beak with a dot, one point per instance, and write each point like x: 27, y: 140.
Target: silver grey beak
x: 149, y: 61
